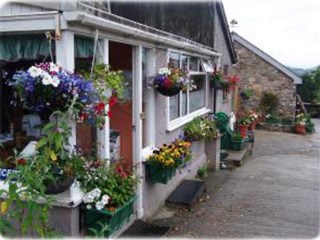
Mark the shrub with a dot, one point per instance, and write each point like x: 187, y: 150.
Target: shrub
x: 269, y: 103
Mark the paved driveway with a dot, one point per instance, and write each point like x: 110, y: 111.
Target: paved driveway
x: 275, y: 194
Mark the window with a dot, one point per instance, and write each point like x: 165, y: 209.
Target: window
x: 184, y: 106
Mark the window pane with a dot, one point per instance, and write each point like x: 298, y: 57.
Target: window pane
x: 184, y: 62
x: 174, y: 107
x: 194, y: 64
x: 198, y: 95
x: 184, y: 110
x: 174, y: 60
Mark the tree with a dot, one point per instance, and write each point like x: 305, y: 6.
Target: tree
x: 309, y: 90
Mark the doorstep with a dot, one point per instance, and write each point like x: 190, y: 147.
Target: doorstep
x: 237, y: 157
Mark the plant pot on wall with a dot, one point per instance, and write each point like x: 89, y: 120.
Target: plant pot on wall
x: 300, y: 128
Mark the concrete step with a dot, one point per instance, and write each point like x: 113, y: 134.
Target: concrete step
x: 237, y: 157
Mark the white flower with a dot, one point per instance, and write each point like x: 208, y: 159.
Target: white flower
x: 88, y: 198
x: 99, y: 205
x: 46, y: 79
x: 35, y: 72
x: 54, y: 67
x: 96, y: 192
x: 164, y: 71
x: 105, y: 199
x: 55, y: 81
x: 89, y: 206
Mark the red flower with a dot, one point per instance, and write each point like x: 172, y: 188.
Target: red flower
x: 121, y: 171
x: 167, y: 83
x: 100, y: 107
x: 112, y: 101
x: 110, y: 114
x: 21, y: 161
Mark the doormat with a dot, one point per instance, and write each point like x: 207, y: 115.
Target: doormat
x: 143, y: 229
x: 187, y: 192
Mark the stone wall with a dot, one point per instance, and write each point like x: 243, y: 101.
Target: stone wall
x: 262, y: 76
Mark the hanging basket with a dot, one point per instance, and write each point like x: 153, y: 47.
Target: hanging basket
x: 169, y: 92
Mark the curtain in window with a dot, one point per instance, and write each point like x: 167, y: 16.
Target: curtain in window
x: 16, y: 47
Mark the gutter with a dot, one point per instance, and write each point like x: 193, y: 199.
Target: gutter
x: 112, y: 26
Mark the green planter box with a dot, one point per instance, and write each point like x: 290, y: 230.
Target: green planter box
x: 115, y: 220
x: 156, y: 174
x: 238, y: 145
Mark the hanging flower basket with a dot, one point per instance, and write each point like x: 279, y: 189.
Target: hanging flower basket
x: 170, y: 82
x: 169, y: 92
x: 159, y: 174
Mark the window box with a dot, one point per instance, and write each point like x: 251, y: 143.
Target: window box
x: 115, y: 220
x: 156, y: 174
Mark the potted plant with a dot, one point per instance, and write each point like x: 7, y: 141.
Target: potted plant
x: 253, y: 119
x: 309, y: 125
x: 246, y: 94
x: 109, y: 195
x: 170, y: 82
x: 162, y: 164
x: 237, y: 142
x: 300, y: 125
x: 244, y: 123
x: 200, y: 128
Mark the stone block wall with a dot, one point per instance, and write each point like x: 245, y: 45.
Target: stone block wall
x: 262, y: 76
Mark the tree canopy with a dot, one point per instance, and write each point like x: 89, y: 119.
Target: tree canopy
x: 309, y: 90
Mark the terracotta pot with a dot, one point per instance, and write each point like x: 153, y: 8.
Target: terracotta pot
x: 300, y: 128
x: 243, y: 130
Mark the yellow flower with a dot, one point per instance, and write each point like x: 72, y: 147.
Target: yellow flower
x: 3, y: 207
x: 53, y: 156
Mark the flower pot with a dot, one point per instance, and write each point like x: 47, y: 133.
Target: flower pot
x: 243, y: 130
x: 157, y: 174
x: 93, y: 218
x: 169, y: 92
x: 58, y: 185
x: 300, y: 128
x: 238, y: 145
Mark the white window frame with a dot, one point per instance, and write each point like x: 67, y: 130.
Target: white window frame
x: 182, y: 120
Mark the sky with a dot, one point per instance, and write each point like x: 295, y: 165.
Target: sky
x: 287, y: 30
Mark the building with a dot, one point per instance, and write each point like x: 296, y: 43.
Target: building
x: 261, y: 72
x: 145, y: 119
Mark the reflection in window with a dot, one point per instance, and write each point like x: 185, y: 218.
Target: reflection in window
x: 197, y: 96
x: 194, y: 64
x: 184, y: 62
x: 174, y: 60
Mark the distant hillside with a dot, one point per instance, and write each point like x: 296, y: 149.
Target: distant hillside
x: 301, y: 71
